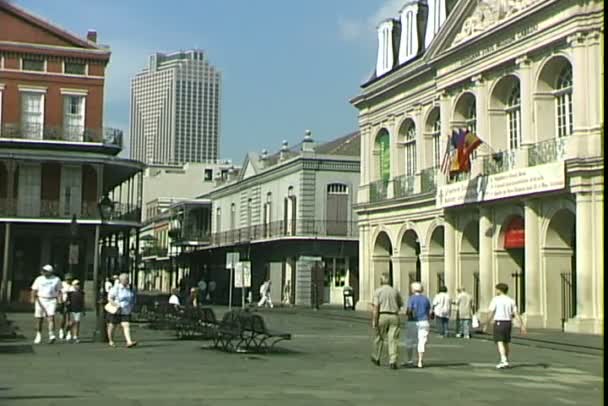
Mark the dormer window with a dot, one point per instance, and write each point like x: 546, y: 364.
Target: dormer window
x: 436, y: 18
x: 386, y: 58
x: 409, y: 43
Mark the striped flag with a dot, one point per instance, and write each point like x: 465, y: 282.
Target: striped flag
x: 446, y: 162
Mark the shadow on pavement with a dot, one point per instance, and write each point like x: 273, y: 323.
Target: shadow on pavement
x: 40, y: 397
x: 16, y: 349
x: 437, y: 365
x: 543, y: 365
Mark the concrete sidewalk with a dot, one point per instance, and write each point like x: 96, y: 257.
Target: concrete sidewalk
x: 555, y: 339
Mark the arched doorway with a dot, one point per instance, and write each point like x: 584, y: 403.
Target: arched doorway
x: 559, y: 263
x: 469, y: 261
x: 511, y: 259
x: 408, y: 260
x: 383, y: 250
x: 435, y: 259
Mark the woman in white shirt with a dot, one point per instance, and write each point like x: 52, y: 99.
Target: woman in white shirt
x: 442, y: 306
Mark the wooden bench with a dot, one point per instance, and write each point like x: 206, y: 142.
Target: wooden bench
x: 266, y: 339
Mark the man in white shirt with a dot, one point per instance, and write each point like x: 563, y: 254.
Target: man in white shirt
x: 442, y: 307
x: 174, y: 299
x: 265, y: 294
x: 503, y: 310
x: 46, y: 292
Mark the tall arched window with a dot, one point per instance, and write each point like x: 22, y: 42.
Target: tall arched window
x: 267, y: 214
x: 513, y: 109
x: 218, y: 220
x: 436, y: 136
x: 410, y: 150
x: 337, y: 209
x: 383, y: 154
x: 290, y: 212
x: 563, y: 102
x: 471, y: 117
x: 233, y: 216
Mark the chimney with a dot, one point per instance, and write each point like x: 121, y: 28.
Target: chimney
x: 92, y: 36
x: 263, y: 158
x: 283, y: 154
x: 308, y: 145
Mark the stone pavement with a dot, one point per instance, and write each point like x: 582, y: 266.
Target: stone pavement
x: 326, y: 363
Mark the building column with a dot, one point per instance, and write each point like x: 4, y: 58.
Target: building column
x: 481, y: 97
x: 486, y: 274
x: 581, y: 83
x: 365, y: 271
x: 402, y: 267
x: 450, y: 254
x: 430, y: 266
x: 528, y: 134
x: 534, y: 311
x: 586, y: 319
x: 4, y: 291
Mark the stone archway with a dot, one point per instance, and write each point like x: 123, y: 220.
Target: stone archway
x: 511, y: 258
x: 407, y: 264
x: 559, y: 269
x: 383, y: 250
x: 433, y: 270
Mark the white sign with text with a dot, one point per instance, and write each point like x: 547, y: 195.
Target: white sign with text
x: 516, y: 182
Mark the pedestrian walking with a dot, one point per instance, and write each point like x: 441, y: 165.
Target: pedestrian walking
x: 193, y: 300
x: 75, y: 308
x: 464, y: 313
x: 503, y: 310
x: 442, y: 306
x: 202, y: 289
x: 386, y: 304
x: 174, y: 299
x: 211, y: 291
x: 265, y: 299
x: 66, y: 288
x: 46, y: 293
x: 121, y: 297
x: 287, y: 293
x: 418, y: 312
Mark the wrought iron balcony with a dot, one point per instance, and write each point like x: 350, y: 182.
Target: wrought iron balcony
x: 378, y: 191
x: 547, y: 151
x: 284, y: 229
x: 404, y: 185
x: 70, y: 134
x: 428, y: 180
x: 54, y: 209
x: 499, y: 162
x: 154, y: 251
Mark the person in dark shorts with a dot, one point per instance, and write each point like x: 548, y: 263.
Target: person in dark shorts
x: 122, y: 297
x: 75, y: 307
x: 503, y: 310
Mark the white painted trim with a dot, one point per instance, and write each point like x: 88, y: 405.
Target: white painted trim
x: 1, y: 86
x: 33, y: 72
x: 45, y: 69
x: 74, y: 92
x: 33, y: 89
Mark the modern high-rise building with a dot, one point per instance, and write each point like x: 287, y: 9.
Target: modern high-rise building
x: 175, y: 109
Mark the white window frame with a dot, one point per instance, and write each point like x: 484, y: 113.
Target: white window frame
x: 44, y: 69
x: 66, y: 93
x: 513, y: 111
x: 1, y: 92
x: 436, y: 139
x: 409, y: 146
x: 563, y: 107
x: 41, y: 91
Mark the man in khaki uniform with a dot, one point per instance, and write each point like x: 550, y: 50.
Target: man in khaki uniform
x: 385, y: 320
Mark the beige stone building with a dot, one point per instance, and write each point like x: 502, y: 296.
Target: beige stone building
x: 527, y: 77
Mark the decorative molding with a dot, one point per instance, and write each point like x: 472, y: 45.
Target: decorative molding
x: 74, y: 92
x: 490, y: 13
x: 33, y: 89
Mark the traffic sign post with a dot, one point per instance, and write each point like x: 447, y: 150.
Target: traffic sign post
x: 231, y: 260
x: 243, y: 278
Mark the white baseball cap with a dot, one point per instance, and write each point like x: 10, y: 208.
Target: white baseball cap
x: 48, y: 268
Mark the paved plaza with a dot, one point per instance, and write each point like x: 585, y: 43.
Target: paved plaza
x: 326, y: 363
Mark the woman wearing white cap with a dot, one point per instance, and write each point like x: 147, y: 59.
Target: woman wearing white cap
x: 418, y: 311
x: 46, y: 292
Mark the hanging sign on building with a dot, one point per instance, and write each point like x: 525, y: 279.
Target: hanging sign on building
x: 513, y: 183
x: 242, y: 274
x: 515, y: 235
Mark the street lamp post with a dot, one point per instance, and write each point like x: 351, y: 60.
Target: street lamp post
x: 73, y: 247
x: 105, y: 207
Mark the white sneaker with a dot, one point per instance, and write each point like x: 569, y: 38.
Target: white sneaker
x: 52, y: 338
x: 38, y: 338
x: 502, y: 365
x: 458, y: 335
x: 61, y: 334
x: 68, y: 336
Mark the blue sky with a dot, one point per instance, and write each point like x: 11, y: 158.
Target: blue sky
x: 287, y: 65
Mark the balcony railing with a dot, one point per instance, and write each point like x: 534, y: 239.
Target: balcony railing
x: 33, y: 131
x: 154, y: 251
x: 404, y: 185
x: 499, y: 162
x: 378, y: 190
x: 428, y: 180
x: 282, y: 229
x: 55, y: 210
x: 547, y: 151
